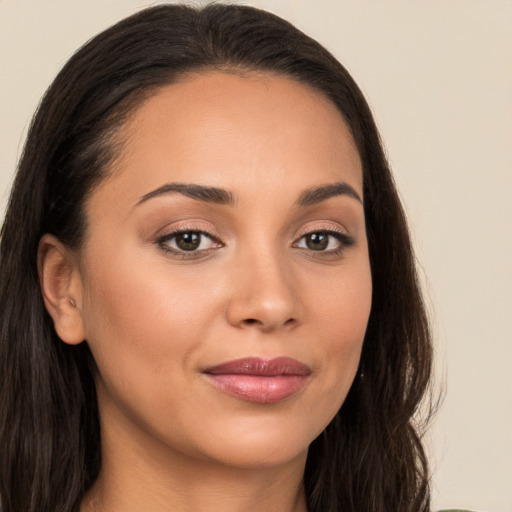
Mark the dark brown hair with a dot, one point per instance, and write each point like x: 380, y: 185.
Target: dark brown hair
x: 370, y: 457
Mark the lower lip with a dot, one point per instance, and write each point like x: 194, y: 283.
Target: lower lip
x: 257, y: 388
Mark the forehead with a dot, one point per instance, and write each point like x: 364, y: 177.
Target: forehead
x: 224, y: 129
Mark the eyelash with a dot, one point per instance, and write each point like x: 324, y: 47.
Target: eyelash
x: 344, y: 240
x: 181, y: 253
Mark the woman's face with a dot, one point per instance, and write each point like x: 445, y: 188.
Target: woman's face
x: 225, y: 280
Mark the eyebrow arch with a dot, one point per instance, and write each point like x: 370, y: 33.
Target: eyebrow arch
x: 198, y: 192
x: 318, y: 194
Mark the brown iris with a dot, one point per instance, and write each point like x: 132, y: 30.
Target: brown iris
x: 188, y: 241
x: 317, y: 241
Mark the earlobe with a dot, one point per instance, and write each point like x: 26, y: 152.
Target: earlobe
x: 59, y: 279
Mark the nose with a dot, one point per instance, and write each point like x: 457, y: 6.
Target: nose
x: 263, y: 295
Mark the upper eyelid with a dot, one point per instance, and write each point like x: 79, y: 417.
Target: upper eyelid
x: 177, y: 231
x: 173, y: 233
x: 342, y: 238
x: 322, y: 226
x: 197, y: 226
x: 206, y: 228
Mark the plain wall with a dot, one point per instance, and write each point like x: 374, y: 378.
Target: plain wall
x: 438, y: 75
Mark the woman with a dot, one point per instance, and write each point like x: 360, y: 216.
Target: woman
x: 209, y: 297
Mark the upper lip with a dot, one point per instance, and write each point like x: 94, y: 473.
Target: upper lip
x: 261, y: 367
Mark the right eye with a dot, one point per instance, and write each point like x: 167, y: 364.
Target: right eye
x: 187, y: 241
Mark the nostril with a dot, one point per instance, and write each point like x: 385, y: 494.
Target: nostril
x: 255, y: 321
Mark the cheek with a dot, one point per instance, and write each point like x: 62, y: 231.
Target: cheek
x: 341, y: 304
x: 140, y: 321
x: 341, y: 315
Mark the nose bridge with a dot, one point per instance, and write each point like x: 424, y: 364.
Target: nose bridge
x: 263, y: 289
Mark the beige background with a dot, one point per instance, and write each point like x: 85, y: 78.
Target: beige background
x: 438, y: 74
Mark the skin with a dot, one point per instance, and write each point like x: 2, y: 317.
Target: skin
x: 156, y: 318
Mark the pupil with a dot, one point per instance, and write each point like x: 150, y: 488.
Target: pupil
x: 188, y: 241
x: 317, y: 241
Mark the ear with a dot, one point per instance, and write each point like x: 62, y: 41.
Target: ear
x: 61, y: 286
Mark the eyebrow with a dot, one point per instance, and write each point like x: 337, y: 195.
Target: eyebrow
x: 198, y: 192
x: 322, y: 193
x: 222, y: 196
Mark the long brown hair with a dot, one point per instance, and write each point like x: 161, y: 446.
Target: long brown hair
x: 370, y: 457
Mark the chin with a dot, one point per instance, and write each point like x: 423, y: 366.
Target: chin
x: 263, y: 455
x: 261, y: 446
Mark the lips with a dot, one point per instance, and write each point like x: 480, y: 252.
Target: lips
x: 264, y: 381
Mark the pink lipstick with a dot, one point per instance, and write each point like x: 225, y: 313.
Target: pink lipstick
x: 264, y: 381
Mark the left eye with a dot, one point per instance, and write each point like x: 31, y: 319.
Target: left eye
x: 188, y: 241
x: 322, y: 241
